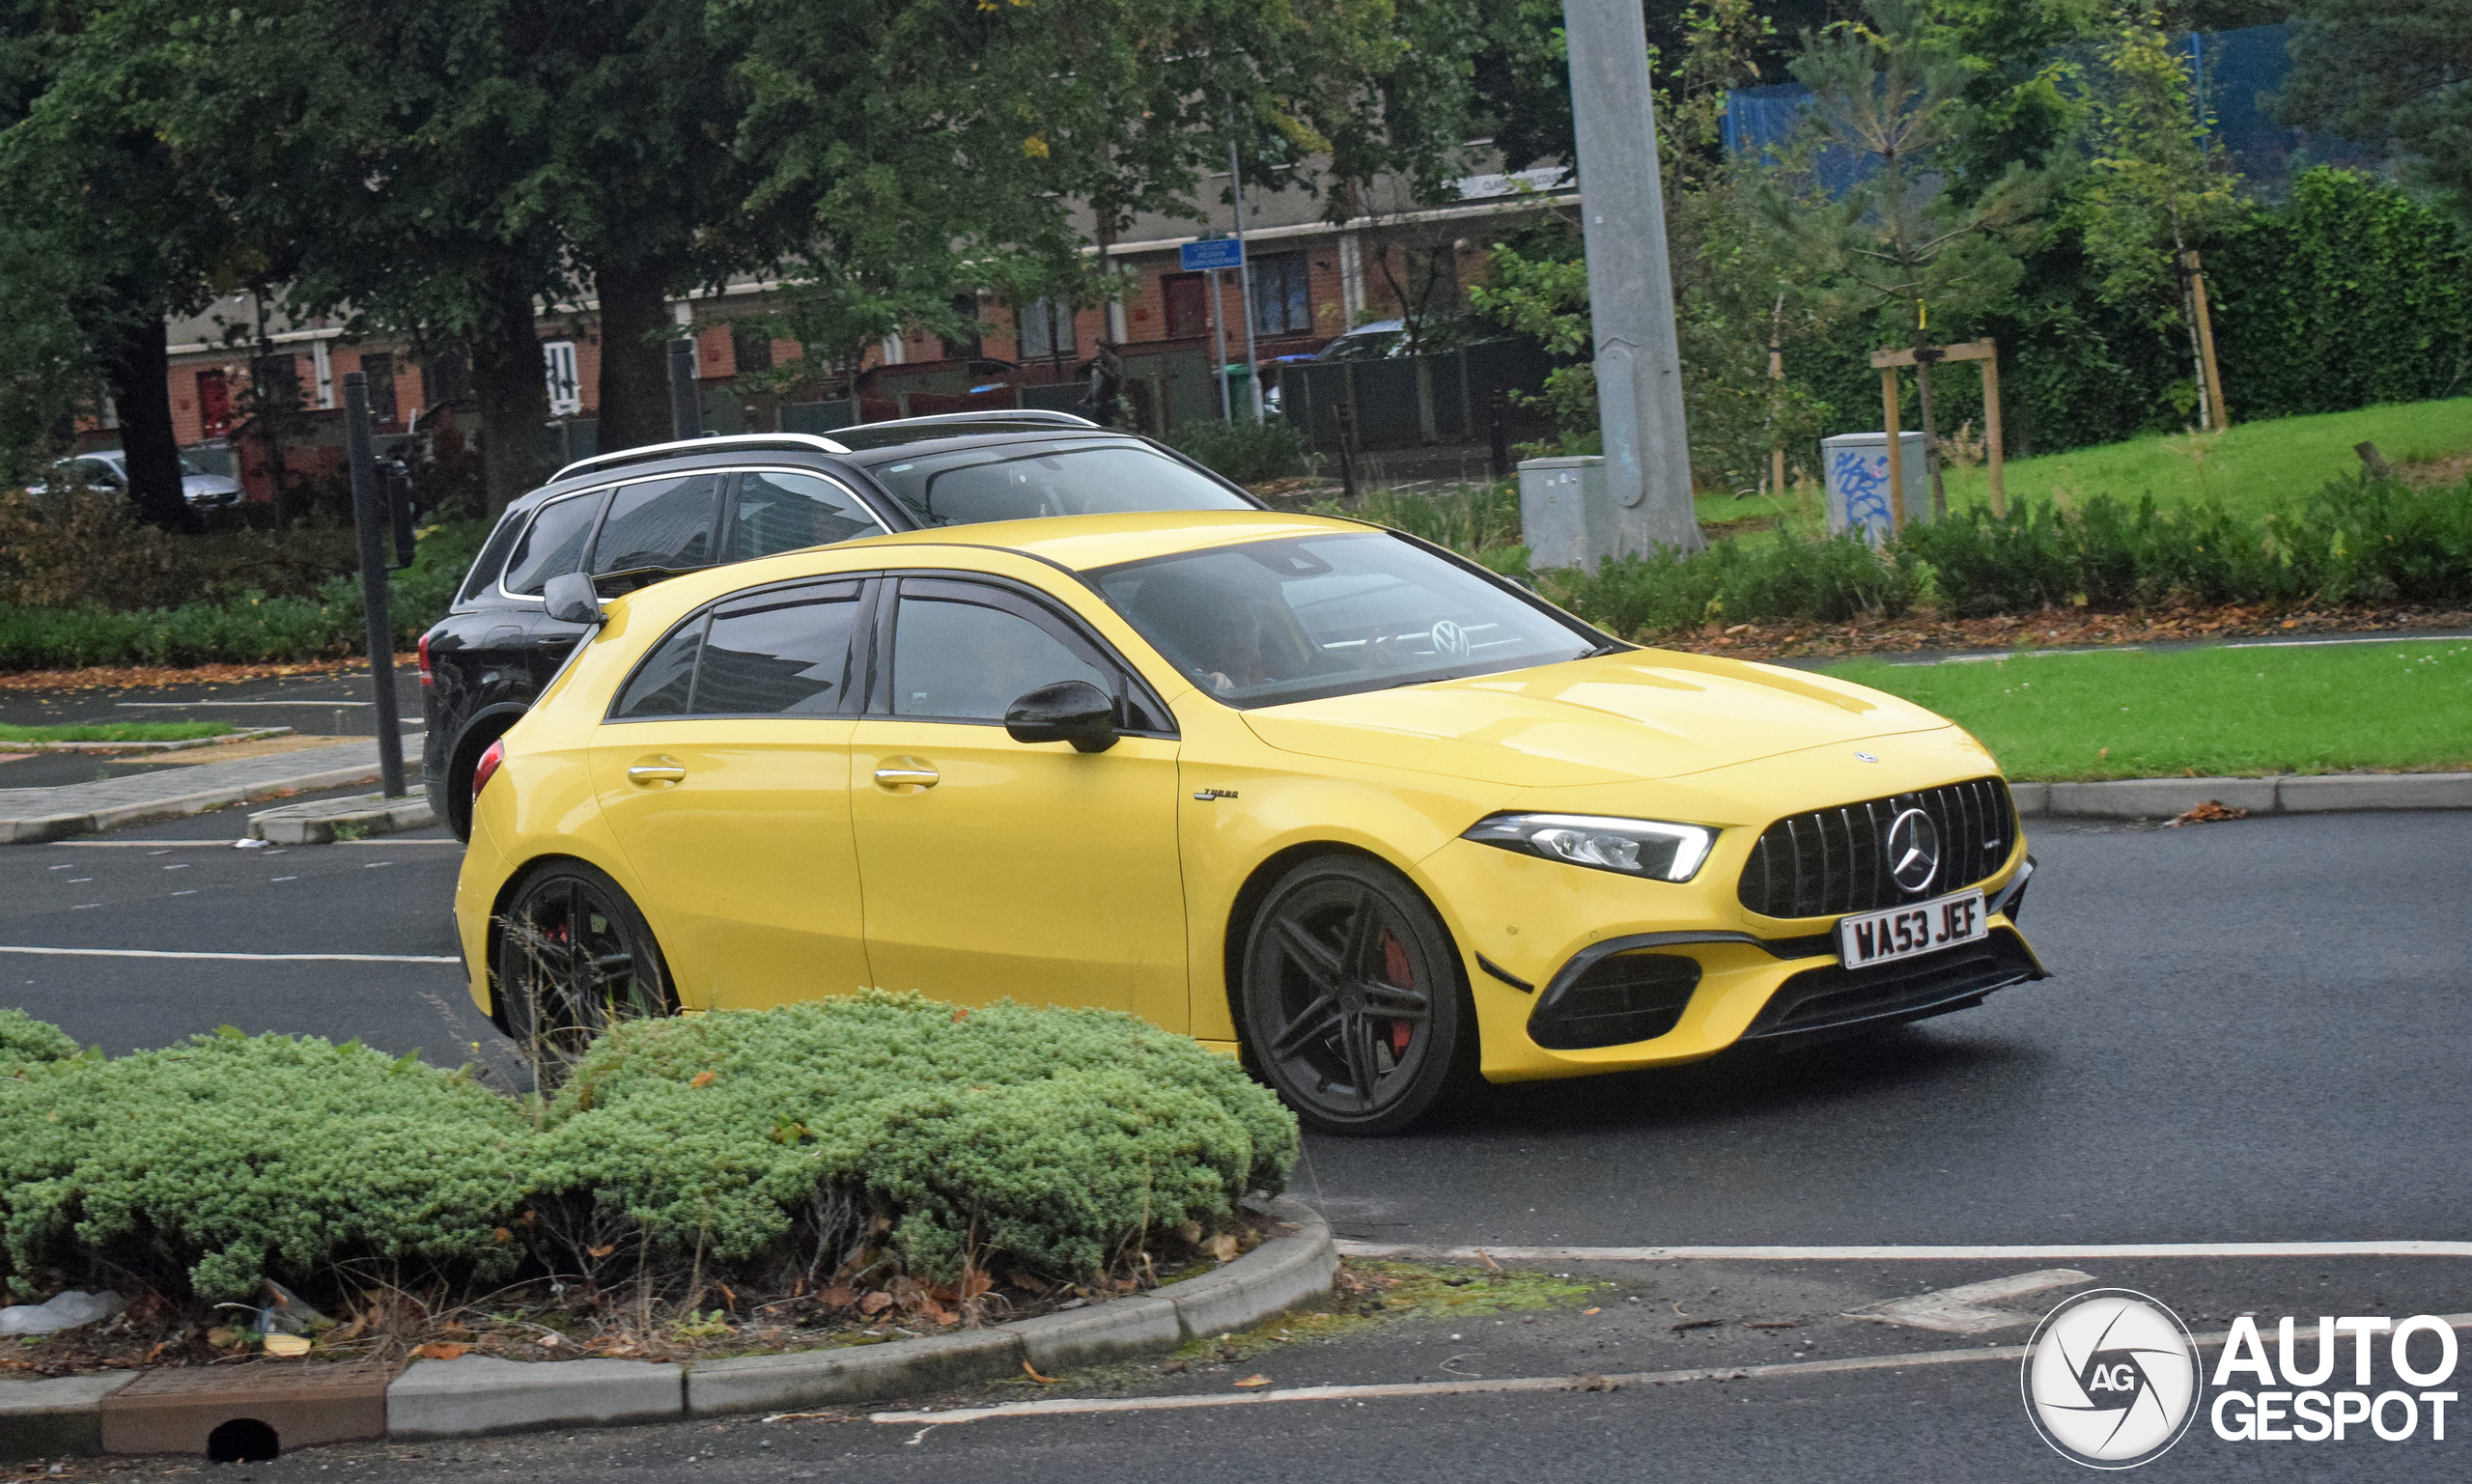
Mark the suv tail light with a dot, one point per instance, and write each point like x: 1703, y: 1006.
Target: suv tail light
x: 426, y: 678
x: 487, y: 768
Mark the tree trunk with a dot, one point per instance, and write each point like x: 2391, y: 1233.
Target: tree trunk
x: 512, y: 394
x: 634, y: 368
x: 1931, y: 428
x: 141, y: 389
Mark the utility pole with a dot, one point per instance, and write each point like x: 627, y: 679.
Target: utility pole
x: 1630, y: 287
x: 1218, y: 328
x: 371, y: 519
x: 1244, y: 271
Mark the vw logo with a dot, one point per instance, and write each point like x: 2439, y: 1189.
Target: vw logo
x: 2111, y: 1379
x: 1449, y: 639
x: 1914, y: 850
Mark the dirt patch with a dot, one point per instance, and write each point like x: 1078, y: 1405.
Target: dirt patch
x: 104, y: 677
x: 2051, y: 628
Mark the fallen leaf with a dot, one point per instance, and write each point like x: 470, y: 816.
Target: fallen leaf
x: 1032, y: 1372
x: 2213, y: 811
x: 1593, y: 1382
x: 287, y: 1345
x: 604, y: 1251
x: 438, y: 1350
x: 1486, y: 1258
x: 550, y: 1343
x: 223, y: 1336
x: 959, y: 1014
x: 1255, y: 1380
x: 1222, y: 1246
x: 1592, y: 1312
x: 975, y: 1282
x: 702, y: 1079
x: 875, y: 1303
x: 504, y: 1234
x: 838, y: 1297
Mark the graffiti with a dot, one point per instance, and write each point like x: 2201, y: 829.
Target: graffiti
x: 1860, y: 483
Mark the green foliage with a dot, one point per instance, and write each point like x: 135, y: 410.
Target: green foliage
x: 25, y: 1041
x: 2390, y: 73
x: 202, y: 1166
x: 1819, y: 578
x: 2158, y: 183
x: 734, y: 1140
x: 1056, y: 1135
x: 1243, y: 450
x: 2355, y: 292
x: 1480, y: 520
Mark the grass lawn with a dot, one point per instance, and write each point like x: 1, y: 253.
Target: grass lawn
x: 116, y: 732
x: 2134, y: 713
x: 2253, y: 468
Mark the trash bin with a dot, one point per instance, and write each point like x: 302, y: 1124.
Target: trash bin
x: 1565, y: 512
x: 1857, y: 466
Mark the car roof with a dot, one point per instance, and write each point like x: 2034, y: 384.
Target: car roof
x: 1089, y: 542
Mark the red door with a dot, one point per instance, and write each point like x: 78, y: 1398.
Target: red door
x: 214, y: 403
x: 1186, y: 314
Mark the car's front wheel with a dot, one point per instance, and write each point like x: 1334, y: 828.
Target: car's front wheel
x: 575, y: 958
x: 1355, y: 1007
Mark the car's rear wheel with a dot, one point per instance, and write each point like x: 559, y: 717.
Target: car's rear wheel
x: 1355, y: 1007
x: 575, y: 958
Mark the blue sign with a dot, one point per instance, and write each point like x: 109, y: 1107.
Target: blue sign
x: 1222, y: 252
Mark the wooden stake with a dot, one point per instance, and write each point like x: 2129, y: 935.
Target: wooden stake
x: 2205, y: 341
x: 1897, y: 449
x: 1777, y: 455
x: 1991, y: 428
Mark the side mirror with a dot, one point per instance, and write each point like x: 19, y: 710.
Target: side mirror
x: 571, y: 598
x: 1073, y: 711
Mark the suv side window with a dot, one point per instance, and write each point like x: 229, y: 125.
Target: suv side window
x: 777, y: 511
x: 660, y: 523
x: 492, y: 558
x: 965, y: 651
x: 783, y: 652
x: 555, y: 542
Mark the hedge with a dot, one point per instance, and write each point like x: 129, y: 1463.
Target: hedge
x: 745, y: 1143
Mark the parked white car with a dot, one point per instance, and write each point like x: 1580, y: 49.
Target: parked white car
x: 107, y: 468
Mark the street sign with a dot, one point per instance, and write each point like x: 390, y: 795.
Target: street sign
x: 1222, y: 252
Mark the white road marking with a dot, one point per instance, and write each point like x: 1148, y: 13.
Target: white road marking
x: 252, y: 958
x: 1065, y: 1406
x: 1965, y: 1308
x: 218, y: 705
x: 223, y: 845
x: 2082, y: 1252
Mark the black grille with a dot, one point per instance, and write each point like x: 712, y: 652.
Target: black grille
x: 1827, y: 999
x: 1832, y: 861
x: 1630, y: 996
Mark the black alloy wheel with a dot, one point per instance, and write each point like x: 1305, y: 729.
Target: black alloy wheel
x: 1355, y: 1007
x: 575, y: 958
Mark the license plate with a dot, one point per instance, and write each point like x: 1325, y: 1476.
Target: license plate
x: 1904, y: 932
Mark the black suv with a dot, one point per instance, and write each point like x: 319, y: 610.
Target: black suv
x: 647, y: 512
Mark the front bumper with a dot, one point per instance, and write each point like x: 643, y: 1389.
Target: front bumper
x: 1706, y: 974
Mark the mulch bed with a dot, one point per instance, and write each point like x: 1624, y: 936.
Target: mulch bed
x: 104, y: 677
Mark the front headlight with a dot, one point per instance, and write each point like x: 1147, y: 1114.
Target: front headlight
x: 1651, y: 848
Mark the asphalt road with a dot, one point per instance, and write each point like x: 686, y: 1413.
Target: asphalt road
x: 2256, y: 1032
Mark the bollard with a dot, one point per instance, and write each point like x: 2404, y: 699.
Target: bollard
x: 371, y: 522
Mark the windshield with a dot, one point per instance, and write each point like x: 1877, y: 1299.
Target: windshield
x: 1278, y: 621
x: 1015, y: 482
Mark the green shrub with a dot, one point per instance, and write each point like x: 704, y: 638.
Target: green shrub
x: 1820, y: 578
x: 202, y: 1166
x: 25, y: 1041
x: 1055, y: 1136
x: 1244, y: 450
x: 1477, y: 520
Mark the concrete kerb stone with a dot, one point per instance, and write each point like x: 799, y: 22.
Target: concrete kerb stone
x: 1118, y: 1330
x: 475, y: 1395
x: 852, y: 1376
x: 2149, y: 798
x: 2374, y: 790
x: 1271, y: 1279
x: 55, y: 1419
x: 321, y: 821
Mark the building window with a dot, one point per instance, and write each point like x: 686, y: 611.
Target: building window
x: 965, y: 309
x: 445, y: 377
x: 558, y: 366
x: 1188, y: 313
x: 1046, y: 329
x: 214, y: 403
x: 1281, y: 304
x: 379, y: 366
x: 276, y: 382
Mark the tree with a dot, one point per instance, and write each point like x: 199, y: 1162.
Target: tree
x: 1901, y: 239
x: 2158, y: 183
x: 2390, y: 74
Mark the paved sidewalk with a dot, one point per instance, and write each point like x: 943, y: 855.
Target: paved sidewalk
x: 29, y: 815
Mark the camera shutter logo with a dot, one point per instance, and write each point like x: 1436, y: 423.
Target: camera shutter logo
x: 2111, y: 1379
x: 1913, y: 850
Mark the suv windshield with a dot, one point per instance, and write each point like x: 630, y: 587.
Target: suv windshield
x: 1275, y: 621
x: 1020, y: 482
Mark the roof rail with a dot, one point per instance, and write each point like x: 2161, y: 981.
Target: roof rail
x: 649, y: 451
x: 987, y: 415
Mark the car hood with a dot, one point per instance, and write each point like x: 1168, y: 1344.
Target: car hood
x: 1646, y: 713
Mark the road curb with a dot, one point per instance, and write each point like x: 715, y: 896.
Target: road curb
x: 2148, y: 799
x: 185, y: 744
x: 38, y: 829
x: 321, y: 823
x: 478, y: 1395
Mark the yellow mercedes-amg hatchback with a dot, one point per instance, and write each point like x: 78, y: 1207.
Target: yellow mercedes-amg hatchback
x: 1302, y: 788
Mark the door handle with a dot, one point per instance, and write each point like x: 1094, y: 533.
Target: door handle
x: 645, y: 774
x: 905, y: 773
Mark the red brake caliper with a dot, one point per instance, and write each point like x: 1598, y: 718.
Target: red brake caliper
x: 1395, y: 968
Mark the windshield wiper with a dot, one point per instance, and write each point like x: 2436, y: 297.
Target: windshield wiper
x: 1609, y: 647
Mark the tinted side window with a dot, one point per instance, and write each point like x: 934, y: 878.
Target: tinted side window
x: 662, y: 683
x: 779, y: 653
x: 660, y: 523
x: 966, y: 660
x: 554, y: 544
x: 779, y: 511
